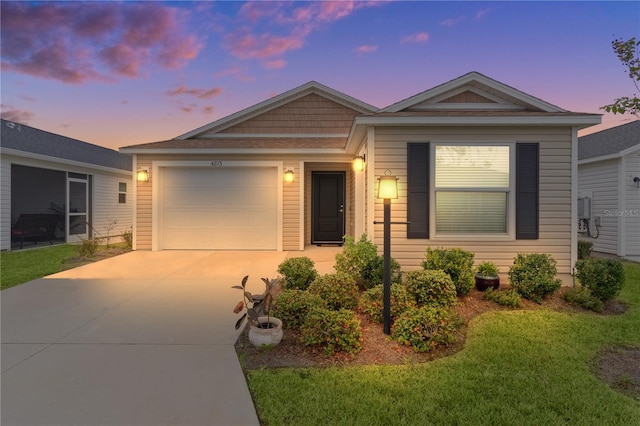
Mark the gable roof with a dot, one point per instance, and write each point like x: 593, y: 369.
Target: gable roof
x: 472, y: 91
x: 312, y: 87
x: 616, y: 141
x: 19, y: 137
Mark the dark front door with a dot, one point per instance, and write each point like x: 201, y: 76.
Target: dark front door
x: 328, y: 207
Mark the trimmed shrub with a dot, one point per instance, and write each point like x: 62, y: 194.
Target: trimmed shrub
x: 371, y: 302
x: 456, y: 262
x: 604, y: 277
x: 293, y: 306
x: 431, y: 288
x: 426, y: 328
x: 582, y: 296
x: 297, y: 273
x: 584, y: 249
x: 89, y: 247
x: 333, y: 330
x: 502, y: 297
x: 533, y: 276
x: 337, y: 290
x: 361, y: 261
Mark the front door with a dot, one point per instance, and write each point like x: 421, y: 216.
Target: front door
x: 328, y: 207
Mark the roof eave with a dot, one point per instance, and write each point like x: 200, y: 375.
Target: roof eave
x: 611, y: 156
x: 247, y: 151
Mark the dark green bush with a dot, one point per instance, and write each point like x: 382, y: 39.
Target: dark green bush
x: 533, y: 276
x: 426, y: 328
x: 297, y: 273
x: 502, y: 297
x: 361, y: 261
x: 293, y: 306
x: 371, y: 302
x: 431, y: 288
x: 333, y: 330
x: 582, y: 296
x: 584, y: 249
x: 604, y: 277
x: 456, y: 262
x: 338, y: 290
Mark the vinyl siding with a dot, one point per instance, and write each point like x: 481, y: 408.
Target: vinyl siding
x: 107, y: 211
x: 309, y: 114
x: 600, y: 182
x: 631, y: 165
x: 555, y: 193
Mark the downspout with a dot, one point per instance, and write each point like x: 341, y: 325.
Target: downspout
x: 371, y: 183
x: 134, y: 207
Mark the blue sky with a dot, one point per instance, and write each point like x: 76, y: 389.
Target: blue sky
x: 122, y: 73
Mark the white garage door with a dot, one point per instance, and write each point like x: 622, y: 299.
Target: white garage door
x: 224, y: 208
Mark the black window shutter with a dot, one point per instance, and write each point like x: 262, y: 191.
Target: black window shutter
x: 418, y: 190
x: 527, y: 165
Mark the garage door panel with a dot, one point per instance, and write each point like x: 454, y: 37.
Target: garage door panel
x: 222, y: 208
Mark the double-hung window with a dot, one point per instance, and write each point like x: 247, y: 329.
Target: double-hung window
x: 472, y: 189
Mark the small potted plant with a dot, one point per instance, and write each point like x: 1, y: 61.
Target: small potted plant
x: 264, y: 329
x: 487, y: 276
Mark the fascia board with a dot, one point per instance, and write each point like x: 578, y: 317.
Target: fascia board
x: 252, y: 151
x: 579, y: 121
x: 62, y: 161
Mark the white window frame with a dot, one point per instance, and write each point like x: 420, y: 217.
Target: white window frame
x: 126, y: 201
x: 511, y: 195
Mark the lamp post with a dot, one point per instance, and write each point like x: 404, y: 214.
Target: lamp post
x: 387, y: 189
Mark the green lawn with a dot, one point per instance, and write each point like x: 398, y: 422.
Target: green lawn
x: 17, y: 267
x: 518, y: 367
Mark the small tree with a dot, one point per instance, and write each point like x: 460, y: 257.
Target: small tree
x: 628, y: 53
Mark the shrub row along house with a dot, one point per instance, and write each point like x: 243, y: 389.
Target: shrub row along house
x: 480, y: 165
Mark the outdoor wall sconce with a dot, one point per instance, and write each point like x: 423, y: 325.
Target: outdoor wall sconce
x: 142, y: 175
x: 358, y: 163
x: 288, y: 176
x: 636, y: 180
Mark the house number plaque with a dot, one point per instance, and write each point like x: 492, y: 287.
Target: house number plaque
x: 216, y: 163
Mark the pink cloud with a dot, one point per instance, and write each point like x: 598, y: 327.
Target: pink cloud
x: 198, y: 93
x: 16, y: 115
x: 237, y: 72
x: 365, y: 49
x: 481, y: 13
x: 275, y: 64
x: 416, y: 38
x: 76, y: 42
x: 452, y: 21
x: 251, y: 46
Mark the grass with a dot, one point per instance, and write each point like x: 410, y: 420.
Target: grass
x: 518, y: 367
x: 17, y: 267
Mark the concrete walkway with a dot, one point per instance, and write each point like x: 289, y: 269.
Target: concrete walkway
x: 144, y: 338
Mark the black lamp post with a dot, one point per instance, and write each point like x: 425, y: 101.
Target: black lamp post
x: 387, y: 189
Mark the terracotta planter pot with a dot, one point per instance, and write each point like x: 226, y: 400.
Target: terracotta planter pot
x: 483, y: 283
x: 266, y: 336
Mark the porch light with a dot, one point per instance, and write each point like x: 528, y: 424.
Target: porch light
x: 387, y: 186
x: 358, y: 163
x: 142, y: 175
x: 288, y: 176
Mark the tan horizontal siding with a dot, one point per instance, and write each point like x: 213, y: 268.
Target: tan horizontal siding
x: 310, y: 114
x: 555, y: 193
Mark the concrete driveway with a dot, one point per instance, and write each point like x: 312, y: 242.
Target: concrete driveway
x: 145, y: 338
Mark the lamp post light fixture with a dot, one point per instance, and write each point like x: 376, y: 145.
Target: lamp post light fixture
x: 288, y: 176
x: 387, y: 190
x: 142, y: 175
x: 358, y: 163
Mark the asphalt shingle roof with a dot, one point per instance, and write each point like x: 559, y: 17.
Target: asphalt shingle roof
x: 610, y: 141
x: 29, y: 139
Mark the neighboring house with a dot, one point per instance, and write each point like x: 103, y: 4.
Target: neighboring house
x: 609, y: 181
x: 480, y: 165
x: 57, y: 189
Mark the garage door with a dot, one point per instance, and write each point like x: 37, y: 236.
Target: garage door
x: 231, y: 208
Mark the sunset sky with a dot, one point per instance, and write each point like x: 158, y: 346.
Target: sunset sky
x: 122, y: 73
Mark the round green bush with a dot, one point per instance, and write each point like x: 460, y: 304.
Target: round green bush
x: 361, y: 261
x: 338, y: 290
x: 293, y: 306
x: 456, y: 262
x: 604, y: 277
x: 371, y: 302
x: 426, y: 328
x: 335, y: 331
x: 533, y: 276
x: 431, y: 288
x: 297, y: 273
